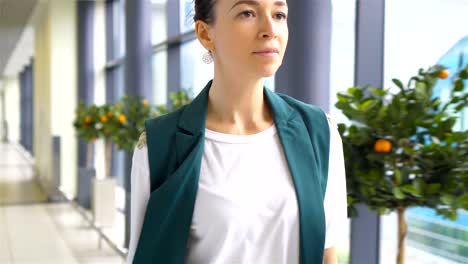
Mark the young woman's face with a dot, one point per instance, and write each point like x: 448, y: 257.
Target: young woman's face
x: 250, y: 36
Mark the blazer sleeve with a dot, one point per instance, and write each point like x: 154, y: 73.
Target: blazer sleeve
x: 139, y: 196
x: 335, y: 202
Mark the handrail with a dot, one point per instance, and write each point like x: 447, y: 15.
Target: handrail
x: 439, y: 222
x: 438, y: 251
x: 437, y: 236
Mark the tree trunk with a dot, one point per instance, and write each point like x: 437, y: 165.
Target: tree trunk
x: 108, y: 157
x: 402, y: 230
x: 89, y: 155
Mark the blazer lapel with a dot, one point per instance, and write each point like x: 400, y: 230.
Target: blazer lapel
x: 192, y: 124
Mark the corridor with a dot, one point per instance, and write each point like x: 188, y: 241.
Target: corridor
x: 35, y: 231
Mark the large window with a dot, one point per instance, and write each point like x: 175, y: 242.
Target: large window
x: 160, y: 77
x: 115, y: 72
x: 342, y: 52
x: 341, y: 78
x: 186, y: 17
x: 159, y: 21
x: 419, y: 34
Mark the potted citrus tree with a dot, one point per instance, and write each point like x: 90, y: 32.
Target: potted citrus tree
x: 402, y: 148
x: 86, y: 127
x: 103, y: 201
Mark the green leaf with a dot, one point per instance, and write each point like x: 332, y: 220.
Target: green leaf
x: 342, y: 97
x: 341, y: 128
x: 398, y: 83
x: 382, y: 210
x: 420, y: 185
x: 463, y: 201
x: 397, y: 176
x: 453, y: 215
x: 464, y: 74
x: 410, y: 189
x: 367, y: 104
x: 398, y: 193
x: 447, y: 199
x: 459, y: 86
x: 377, y: 91
x: 356, y: 92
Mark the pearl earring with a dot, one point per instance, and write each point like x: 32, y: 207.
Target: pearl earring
x: 207, y: 57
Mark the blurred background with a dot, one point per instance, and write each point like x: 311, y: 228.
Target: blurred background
x: 59, y: 203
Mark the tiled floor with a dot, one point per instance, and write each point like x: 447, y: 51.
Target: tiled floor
x: 16, y: 174
x: 32, y: 231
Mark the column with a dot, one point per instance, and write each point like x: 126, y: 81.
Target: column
x: 370, y: 18
x: 138, y: 72
x: 305, y: 73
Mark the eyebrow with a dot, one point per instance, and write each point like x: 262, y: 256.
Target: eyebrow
x: 256, y: 3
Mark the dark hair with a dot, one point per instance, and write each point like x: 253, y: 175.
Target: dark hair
x: 204, y: 11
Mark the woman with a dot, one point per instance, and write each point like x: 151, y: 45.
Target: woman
x: 240, y: 175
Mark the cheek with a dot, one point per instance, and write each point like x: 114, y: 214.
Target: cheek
x: 285, y: 37
x: 233, y: 41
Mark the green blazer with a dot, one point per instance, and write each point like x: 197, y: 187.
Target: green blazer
x: 175, y: 147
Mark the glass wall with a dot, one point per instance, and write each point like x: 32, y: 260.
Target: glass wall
x: 419, y: 34
x: 341, y: 78
x: 159, y: 21
x: 342, y: 52
x: 115, y: 76
x: 186, y: 15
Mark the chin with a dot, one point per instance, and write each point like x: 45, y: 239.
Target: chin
x: 268, y: 71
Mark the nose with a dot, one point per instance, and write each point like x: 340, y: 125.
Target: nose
x: 267, y: 28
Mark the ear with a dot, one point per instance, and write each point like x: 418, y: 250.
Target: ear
x: 204, y: 34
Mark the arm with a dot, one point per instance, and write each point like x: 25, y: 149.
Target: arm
x: 329, y: 257
x: 335, y: 203
x: 139, y: 195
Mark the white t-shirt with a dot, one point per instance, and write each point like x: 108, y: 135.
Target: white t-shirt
x: 246, y: 208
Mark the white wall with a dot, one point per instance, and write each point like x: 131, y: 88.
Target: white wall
x: 42, y: 109
x: 55, y: 96
x: 64, y: 86
x: 11, y: 88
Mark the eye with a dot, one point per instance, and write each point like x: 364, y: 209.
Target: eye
x: 247, y: 14
x: 281, y: 16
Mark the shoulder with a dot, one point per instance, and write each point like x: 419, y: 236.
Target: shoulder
x: 168, y: 120
x: 331, y: 123
x: 164, y: 126
x: 297, y: 104
x: 142, y: 140
x: 311, y: 114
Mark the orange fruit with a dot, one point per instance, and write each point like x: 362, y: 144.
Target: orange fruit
x: 122, y: 119
x: 383, y: 146
x: 87, y: 120
x: 103, y: 119
x: 109, y: 114
x: 145, y: 102
x: 443, y: 74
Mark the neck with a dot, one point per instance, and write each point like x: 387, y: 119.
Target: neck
x: 237, y: 106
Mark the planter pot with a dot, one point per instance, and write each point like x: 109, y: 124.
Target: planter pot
x: 85, y: 177
x: 103, y: 202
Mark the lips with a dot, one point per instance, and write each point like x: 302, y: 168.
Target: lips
x: 267, y: 51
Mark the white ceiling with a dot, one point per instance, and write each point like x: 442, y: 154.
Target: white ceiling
x: 16, y: 39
